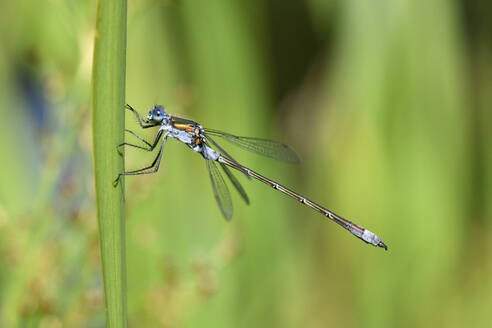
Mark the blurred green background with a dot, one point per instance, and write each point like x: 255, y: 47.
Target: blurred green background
x: 387, y: 102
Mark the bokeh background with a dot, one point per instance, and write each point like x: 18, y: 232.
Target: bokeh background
x: 387, y: 102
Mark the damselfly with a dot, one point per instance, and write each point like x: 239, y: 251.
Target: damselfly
x: 199, y: 139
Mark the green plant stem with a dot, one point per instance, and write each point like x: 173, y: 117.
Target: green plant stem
x: 108, y: 126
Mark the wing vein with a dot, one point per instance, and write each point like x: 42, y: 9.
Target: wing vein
x: 265, y: 147
x: 221, y: 192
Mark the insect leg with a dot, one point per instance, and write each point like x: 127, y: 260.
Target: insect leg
x: 151, y: 146
x: 146, y: 170
x: 140, y: 119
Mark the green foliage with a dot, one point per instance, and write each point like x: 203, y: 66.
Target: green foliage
x: 387, y: 103
x: 108, y: 92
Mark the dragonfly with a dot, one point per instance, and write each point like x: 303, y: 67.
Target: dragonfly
x: 199, y: 139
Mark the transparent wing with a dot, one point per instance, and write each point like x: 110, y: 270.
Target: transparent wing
x: 221, y: 192
x: 222, y: 152
x: 265, y: 147
x: 235, y: 183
